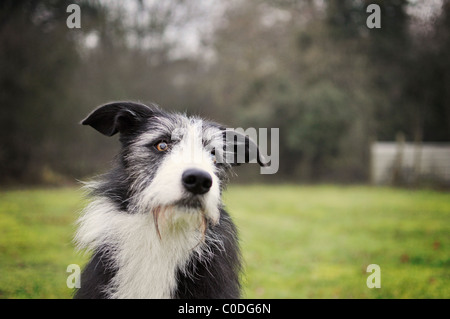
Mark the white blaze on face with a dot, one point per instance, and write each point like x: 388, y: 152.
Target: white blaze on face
x: 187, y: 152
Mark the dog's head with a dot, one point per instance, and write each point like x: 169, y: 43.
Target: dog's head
x: 170, y: 160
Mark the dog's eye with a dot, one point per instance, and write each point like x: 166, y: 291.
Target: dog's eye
x: 213, y: 156
x: 162, y: 146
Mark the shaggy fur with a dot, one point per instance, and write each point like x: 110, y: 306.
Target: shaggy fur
x: 149, y: 235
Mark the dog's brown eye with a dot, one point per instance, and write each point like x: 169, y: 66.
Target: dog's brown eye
x: 213, y: 156
x: 162, y: 146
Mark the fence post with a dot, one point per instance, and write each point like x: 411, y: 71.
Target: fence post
x: 372, y: 142
x: 417, y: 158
x: 398, y: 162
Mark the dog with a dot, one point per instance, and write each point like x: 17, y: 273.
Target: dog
x: 156, y: 226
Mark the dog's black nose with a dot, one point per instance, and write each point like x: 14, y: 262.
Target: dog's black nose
x: 196, y: 181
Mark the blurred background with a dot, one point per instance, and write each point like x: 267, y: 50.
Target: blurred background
x: 354, y: 106
x: 312, y: 68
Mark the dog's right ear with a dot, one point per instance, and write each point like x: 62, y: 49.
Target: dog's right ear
x: 241, y: 148
x: 116, y: 117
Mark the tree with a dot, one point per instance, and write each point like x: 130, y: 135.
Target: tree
x: 274, y: 69
x: 37, y: 58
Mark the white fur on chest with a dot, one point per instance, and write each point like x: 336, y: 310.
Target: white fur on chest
x: 147, y: 265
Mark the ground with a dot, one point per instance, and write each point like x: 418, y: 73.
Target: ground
x: 297, y: 241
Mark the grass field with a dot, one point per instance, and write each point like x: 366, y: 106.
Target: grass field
x: 297, y: 241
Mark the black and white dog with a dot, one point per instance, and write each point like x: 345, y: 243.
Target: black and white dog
x: 156, y: 226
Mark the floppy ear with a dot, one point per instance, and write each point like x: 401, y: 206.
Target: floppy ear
x: 240, y: 148
x: 115, y: 117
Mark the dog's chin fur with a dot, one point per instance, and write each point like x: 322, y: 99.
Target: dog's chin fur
x: 179, y: 218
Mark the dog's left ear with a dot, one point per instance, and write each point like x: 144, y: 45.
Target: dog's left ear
x: 240, y: 148
x: 115, y: 117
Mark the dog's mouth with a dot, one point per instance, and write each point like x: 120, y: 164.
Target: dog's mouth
x: 190, y: 203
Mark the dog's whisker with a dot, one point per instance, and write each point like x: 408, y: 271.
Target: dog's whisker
x: 202, y: 228
x: 156, y: 212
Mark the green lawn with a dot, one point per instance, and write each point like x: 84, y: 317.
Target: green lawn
x: 297, y: 241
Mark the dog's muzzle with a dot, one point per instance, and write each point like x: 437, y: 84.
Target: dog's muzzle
x: 196, y: 181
